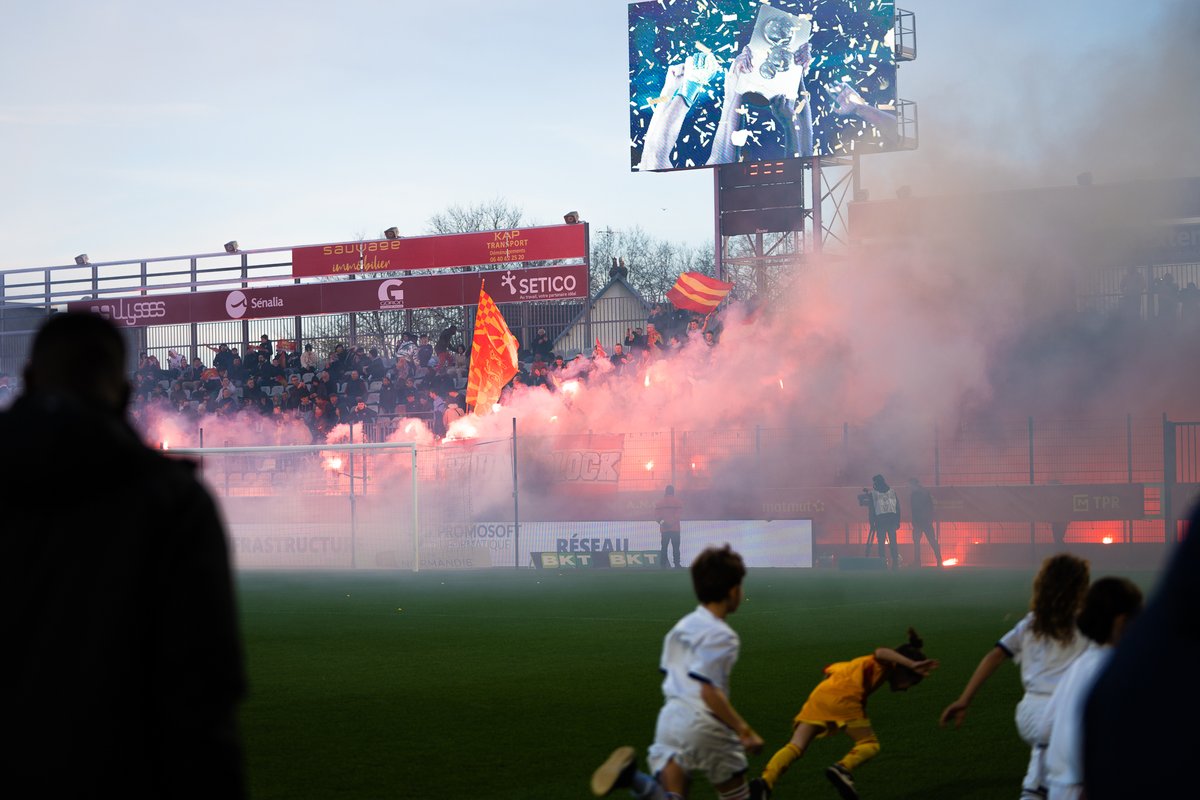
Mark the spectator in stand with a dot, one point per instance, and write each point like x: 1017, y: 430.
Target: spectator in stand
x: 177, y: 394
x: 452, y: 414
x: 461, y: 362
x: 355, y: 386
x: 438, y: 407
x: 658, y: 318
x: 306, y: 412
x: 321, y: 385
x: 389, y: 397
x: 175, y: 363
x: 237, y: 371
x: 336, y: 364
x: 654, y: 339
x: 542, y: 347
x: 619, y: 358
x: 192, y: 372
x: 264, y: 346
x: 308, y: 359
x: 223, y: 357
x: 376, y: 369
x: 424, y: 351
x: 253, y: 392
x: 335, y: 410
x: 227, y: 402
x: 411, y: 405
x: 361, y: 413
x: 279, y: 362
x: 403, y: 369
x: 445, y: 339
x: 295, y: 390
x: 710, y: 338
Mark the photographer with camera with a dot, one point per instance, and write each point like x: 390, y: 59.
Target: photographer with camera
x: 885, y: 513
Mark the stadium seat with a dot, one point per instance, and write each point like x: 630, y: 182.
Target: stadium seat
x: 307, y: 377
x: 276, y: 390
x: 374, y: 386
x: 372, y: 398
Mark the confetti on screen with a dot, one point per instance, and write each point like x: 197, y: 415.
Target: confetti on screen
x: 817, y: 77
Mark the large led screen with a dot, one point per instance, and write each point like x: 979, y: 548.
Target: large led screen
x: 720, y: 81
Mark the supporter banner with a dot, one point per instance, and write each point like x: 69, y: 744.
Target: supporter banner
x: 442, y: 252
x: 394, y: 294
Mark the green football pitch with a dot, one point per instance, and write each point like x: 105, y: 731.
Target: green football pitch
x: 517, y: 684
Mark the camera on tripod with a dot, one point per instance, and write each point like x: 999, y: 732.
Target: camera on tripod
x: 864, y: 499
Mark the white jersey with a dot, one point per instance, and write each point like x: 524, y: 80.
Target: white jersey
x: 1043, y: 660
x: 1064, y: 755
x: 700, y: 649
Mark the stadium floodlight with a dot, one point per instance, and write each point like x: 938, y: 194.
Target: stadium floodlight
x: 571, y: 218
x: 82, y: 259
x: 392, y: 233
x: 231, y: 246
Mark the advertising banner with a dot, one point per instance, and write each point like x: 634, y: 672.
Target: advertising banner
x: 313, y: 299
x: 442, y: 252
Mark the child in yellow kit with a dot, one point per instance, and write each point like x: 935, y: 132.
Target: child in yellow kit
x: 839, y: 703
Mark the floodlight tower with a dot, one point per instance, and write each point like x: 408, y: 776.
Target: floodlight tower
x: 769, y: 215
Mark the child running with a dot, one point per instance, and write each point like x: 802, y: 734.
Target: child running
x: 698, y: 730
x: 1110, y: 605
x: 840, y: 703
x: 1043, y: 643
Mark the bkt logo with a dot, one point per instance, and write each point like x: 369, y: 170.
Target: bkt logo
x: 390, y: 294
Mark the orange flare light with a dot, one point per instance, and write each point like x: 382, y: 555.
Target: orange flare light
x: 649, y: 466
x: 1107, y: 540
x: 950, y: 562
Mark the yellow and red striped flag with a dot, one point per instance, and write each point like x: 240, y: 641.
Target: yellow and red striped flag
x: 493, y: 356
x: 697, y: 292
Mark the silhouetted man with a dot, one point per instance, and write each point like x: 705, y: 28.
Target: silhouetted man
x: 667, y: 512
x: 123, y: 664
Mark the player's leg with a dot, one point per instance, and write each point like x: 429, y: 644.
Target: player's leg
x: 802, y: 736
x: 932, y: 536
x: 662, y: 555
x: 866, y: 747
x: 619, y: 771
x: 675, y: 537
x: 917, y: 531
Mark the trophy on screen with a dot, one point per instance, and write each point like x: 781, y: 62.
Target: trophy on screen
x: 776, y: 39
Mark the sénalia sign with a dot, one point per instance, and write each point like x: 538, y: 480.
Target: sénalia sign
x: 393, y: 294
x: 442, y: 252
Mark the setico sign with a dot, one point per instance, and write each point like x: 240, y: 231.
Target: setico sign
x: 442, y: 252
x: 568, y: 282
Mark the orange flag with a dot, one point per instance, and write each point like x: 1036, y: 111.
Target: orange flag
x: 697, y: 292
x: 493, y: 356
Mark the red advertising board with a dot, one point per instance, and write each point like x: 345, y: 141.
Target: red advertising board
x: 393, y: 294
x: 442, y: 252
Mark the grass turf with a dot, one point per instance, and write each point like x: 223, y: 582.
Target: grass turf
x: 517, y: 684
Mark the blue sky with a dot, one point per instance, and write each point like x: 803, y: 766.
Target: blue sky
x: 133, y: 129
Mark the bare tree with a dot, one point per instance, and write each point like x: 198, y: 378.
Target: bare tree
x: 496, y: 214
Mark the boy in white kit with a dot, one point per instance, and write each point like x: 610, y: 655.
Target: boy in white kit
x: 698, y: 729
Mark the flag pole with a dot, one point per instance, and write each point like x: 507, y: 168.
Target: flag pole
x: 516, y: 503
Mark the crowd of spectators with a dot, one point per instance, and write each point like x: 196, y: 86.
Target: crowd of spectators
x: 421, y: 379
